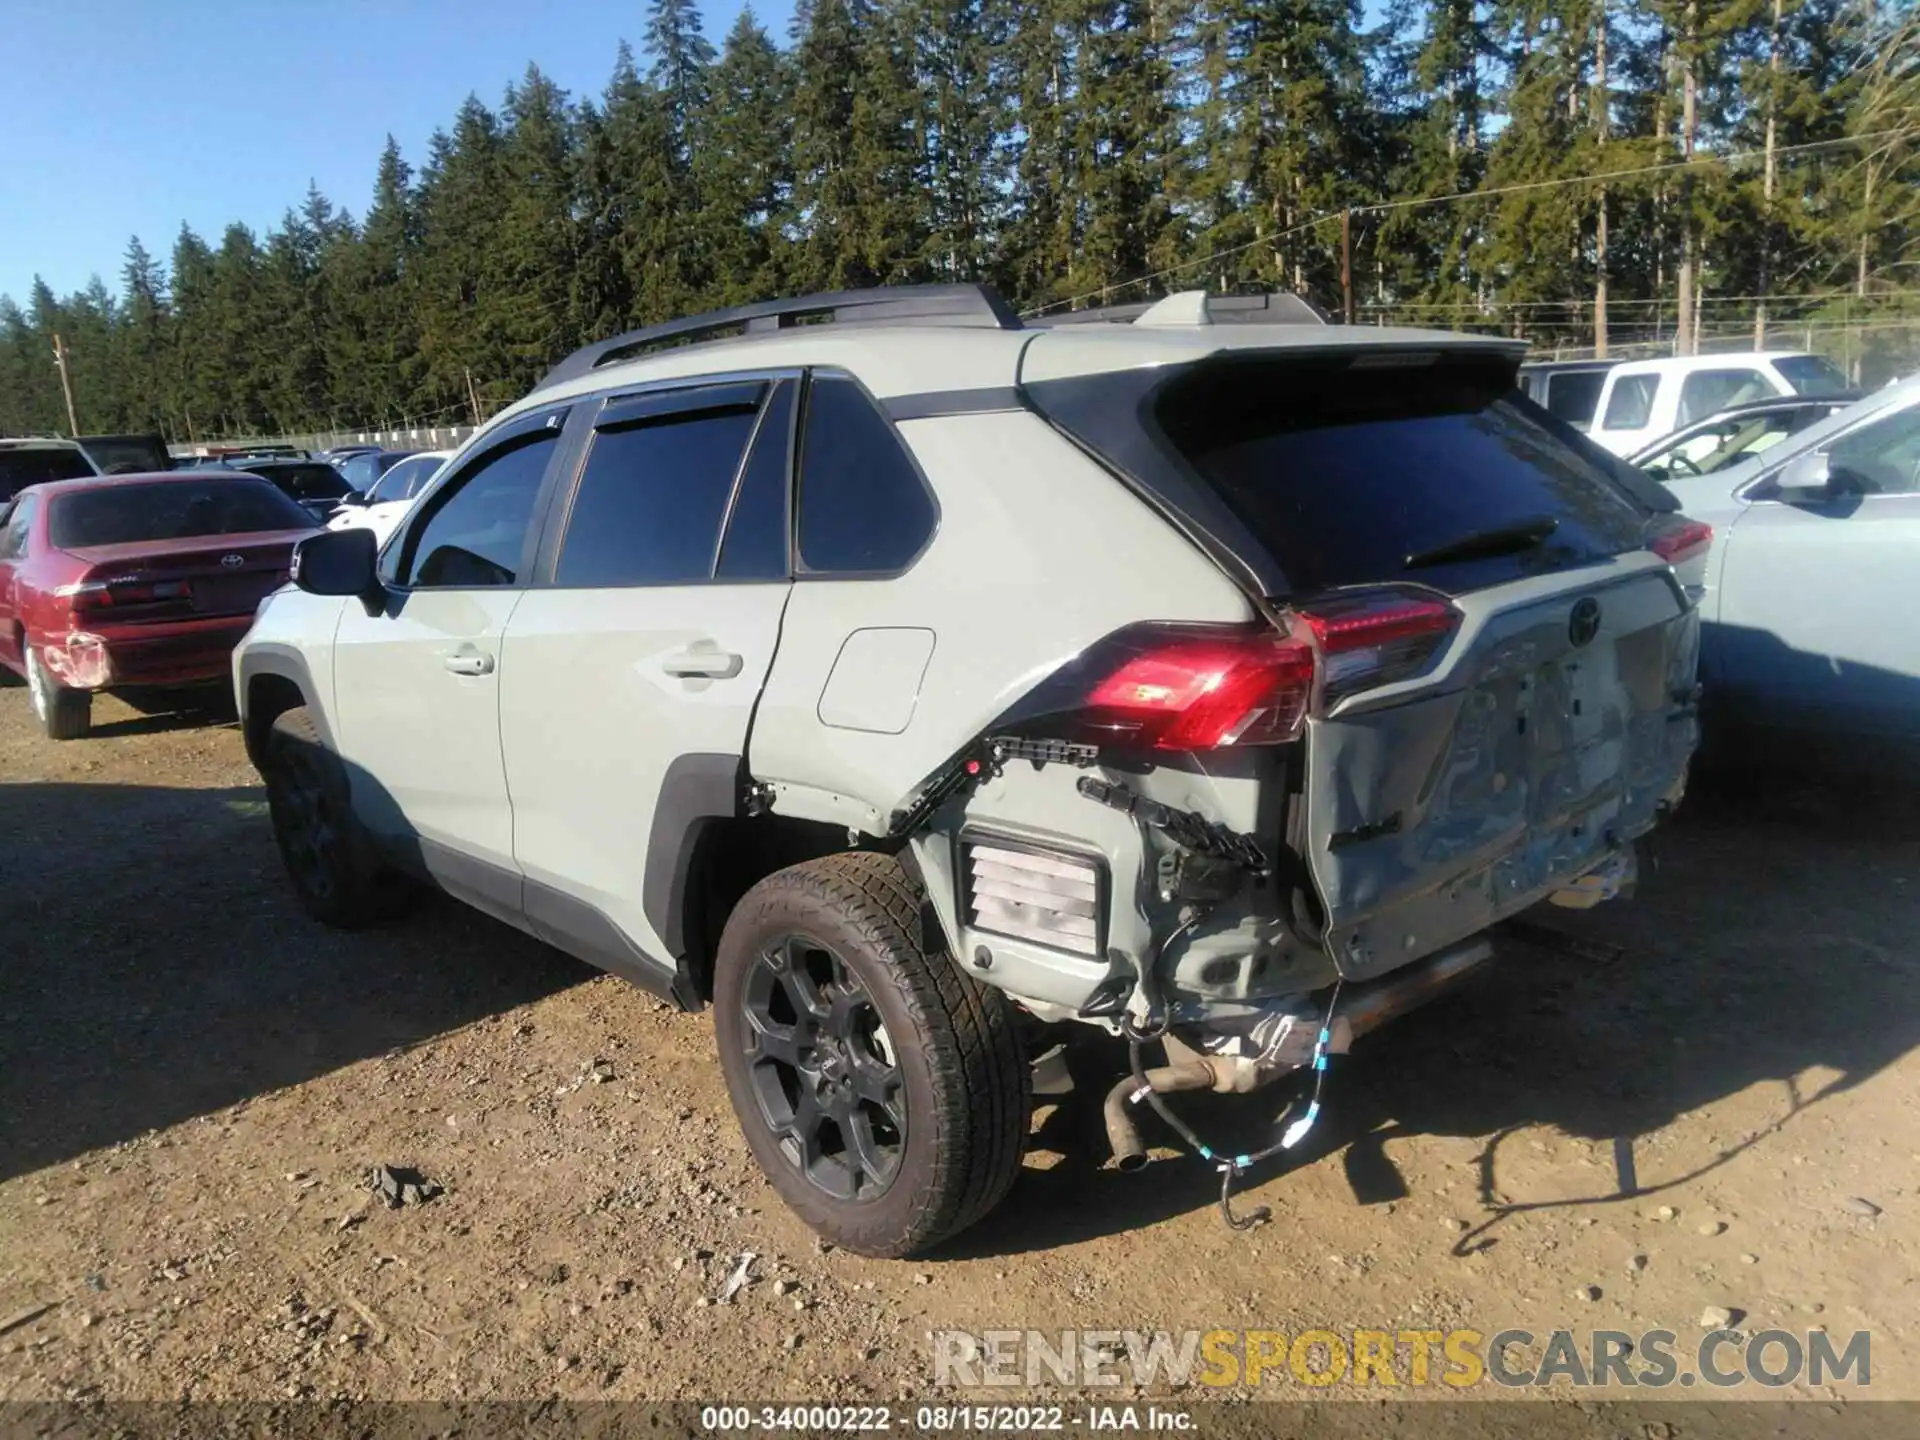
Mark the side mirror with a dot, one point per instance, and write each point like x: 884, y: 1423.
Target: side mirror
x: 353, y: 497
x: 340, y: 562
x: 1805, y: 481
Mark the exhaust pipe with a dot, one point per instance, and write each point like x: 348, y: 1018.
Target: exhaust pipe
x: 1361, y: 1009
x: 1129, y: 1154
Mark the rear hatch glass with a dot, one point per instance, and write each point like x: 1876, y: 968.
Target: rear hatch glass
x: 1442, y: 473
x: 169, y: 510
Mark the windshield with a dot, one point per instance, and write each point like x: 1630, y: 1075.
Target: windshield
x: 1811, y: 374
x: 32, y: 464
x: 1722, y: 443
x: 169, y: 510
x: 405, y: 480
x: 1350, y: 475
x: 127, y: 454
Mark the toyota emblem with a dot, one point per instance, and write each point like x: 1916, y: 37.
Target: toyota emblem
x: 1584, y: 623
x: 232, y: 562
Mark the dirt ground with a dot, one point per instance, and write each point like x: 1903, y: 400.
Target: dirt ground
x: 195, y: 1081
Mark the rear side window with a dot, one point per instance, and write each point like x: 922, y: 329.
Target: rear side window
x: 1630, y: 406
x: 169, y: 510
x: 1812, y: 375
x: 863, y: 508
x: 652, y: 499
x: 1574, y: 395
x: 1442, y: 475
x: 13, y: 536
x: 1708, y: 392
x: 475, y: 538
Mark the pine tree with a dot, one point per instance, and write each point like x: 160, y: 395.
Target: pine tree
x: 827, y: 197
x: 143, y: 340
x: 743, y: 171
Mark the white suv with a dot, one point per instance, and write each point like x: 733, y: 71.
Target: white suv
x: 900, y: 680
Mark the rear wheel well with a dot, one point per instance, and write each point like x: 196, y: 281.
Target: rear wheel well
x: 268, y: 698
x: 731, y: 856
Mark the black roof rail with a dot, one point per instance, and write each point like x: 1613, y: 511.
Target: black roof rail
x: 967, y: 306
x: 1279, y: 307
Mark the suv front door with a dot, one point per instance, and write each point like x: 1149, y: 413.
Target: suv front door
x: 631, y: 671
x: 416, y: 686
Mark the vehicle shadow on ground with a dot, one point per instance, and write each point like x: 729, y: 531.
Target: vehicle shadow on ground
x: 158, y: 711
x: 1776, y: 946
x: 158, y: 968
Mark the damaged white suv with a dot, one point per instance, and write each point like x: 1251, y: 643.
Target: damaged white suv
x: 899, y: 679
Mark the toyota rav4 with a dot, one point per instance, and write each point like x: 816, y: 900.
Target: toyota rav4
x: 900, y: 679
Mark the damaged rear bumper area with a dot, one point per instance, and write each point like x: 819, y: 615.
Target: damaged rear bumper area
x: 184, y: 652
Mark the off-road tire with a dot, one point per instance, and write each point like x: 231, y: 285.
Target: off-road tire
x: 64, y: 714
x: 329, y: 858
x: 962, y: 1067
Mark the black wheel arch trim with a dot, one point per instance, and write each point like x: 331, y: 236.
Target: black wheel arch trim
x: 698, y: 788
x: 282, y: 662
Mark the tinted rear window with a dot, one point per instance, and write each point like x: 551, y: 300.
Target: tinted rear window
x: 21, y: 468
x: 306, y: 482
x: 1573, y: 395
x: 169, y: 510
x: 1348, y: 474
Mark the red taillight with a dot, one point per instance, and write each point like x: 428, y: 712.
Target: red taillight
x: 1168, y: 686
x: 104, y: 594
x: 1681, y: 541
x: 1195, y: 692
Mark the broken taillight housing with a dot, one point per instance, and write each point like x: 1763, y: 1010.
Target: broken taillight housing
x: 1375, y: 637
x: 1166, y: 686
x: 1680, y: 539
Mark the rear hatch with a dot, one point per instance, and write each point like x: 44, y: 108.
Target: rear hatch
x: 1536, y: 713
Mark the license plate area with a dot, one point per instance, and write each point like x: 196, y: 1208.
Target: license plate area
x: 232, y: 594
x: 1527, y: 764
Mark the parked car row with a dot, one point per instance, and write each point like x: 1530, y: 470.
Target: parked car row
x: 1626, y: 405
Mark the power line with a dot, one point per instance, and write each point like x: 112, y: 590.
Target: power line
x: 1601, y: 177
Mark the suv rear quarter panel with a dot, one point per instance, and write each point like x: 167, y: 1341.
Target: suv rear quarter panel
x: 1038, y: 553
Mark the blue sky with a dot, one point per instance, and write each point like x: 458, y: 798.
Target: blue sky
x: 126, y: 117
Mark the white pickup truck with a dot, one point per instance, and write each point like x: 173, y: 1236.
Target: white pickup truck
x: 1644, y: 400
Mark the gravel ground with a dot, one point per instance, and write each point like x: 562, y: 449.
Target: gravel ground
x: 195, y: 1081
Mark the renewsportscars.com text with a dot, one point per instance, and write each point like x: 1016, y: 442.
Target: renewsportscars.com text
x: 1373, y: 1359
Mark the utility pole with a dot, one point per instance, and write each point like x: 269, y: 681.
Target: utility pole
x: 1346, y: 266
x: 473, y: 400
x: 66, y: 382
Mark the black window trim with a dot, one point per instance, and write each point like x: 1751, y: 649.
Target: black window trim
x: 740, y: 481
x: 591, y: 407
x: 796, y: 478
x: 561, y: 420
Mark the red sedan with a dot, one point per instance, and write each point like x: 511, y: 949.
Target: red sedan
x: 135, y: 580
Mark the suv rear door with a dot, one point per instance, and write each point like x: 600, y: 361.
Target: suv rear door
x: 631, y: 671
